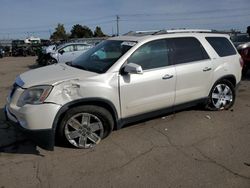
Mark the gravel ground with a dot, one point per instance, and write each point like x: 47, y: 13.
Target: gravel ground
x: 191, y: 148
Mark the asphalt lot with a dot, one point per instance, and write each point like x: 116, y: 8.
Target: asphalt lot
x: 192, y: 148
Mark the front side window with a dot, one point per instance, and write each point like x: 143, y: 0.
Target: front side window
x: 187, y: 49
x: 68, y: 48
x: 222, y: 46
x: 151, y: 55
x: 101, y: 57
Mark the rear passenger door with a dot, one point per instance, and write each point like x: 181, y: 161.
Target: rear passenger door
x: 194, y: 69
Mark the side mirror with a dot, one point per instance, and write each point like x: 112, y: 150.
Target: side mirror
x: 61, y: 52
x: 132, y: 68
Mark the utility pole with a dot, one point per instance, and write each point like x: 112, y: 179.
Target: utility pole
x: 117, y: 24
x: 50, y: 33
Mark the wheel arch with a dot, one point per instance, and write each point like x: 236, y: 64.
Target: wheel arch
x: 231, y: 78
x: 108, y: 105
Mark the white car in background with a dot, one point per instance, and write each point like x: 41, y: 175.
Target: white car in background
x: 49, y: 49
x: 68, y: 52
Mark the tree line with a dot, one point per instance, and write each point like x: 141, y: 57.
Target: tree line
x: 77, y: 31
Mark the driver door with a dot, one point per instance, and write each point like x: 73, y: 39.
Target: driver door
x: 66, y: 54
x: 155, y: 88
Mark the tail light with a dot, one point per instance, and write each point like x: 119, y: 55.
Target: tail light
x: 241, y: 62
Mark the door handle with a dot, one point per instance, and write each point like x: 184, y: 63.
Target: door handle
x: 207, y: 69
x: 167, y: 76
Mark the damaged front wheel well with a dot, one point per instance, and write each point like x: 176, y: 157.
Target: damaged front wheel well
x: 95, y: 102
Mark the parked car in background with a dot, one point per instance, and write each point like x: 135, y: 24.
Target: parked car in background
x: 242, y: 43
x: 244, y: 51
x: 43, y: 56
x: 19, y: 48
x: 68, y: 52
x: 239, y: 38
x: 49, y: 49
x: 1, y: 53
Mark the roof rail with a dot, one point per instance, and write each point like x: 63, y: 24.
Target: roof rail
x: 141, y: 33
x: 166, y: 31
x: 189, y: 31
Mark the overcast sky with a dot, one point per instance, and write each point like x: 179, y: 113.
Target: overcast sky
x: 20, y: 18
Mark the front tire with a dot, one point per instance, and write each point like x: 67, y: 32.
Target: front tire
x: 85, y: 126
x: 222, y: 96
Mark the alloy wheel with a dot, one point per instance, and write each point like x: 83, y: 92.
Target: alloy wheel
x: 222, y: 96
x: 84, y: 130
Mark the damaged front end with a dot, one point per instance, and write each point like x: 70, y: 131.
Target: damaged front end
x: 44, y: 138
x: 34, y: 113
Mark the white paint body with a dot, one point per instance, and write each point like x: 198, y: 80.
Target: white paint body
x: 132, y: 94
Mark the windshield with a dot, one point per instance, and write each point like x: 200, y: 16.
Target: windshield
x: 100, y: 58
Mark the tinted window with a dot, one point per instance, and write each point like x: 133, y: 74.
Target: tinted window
x: 187, y: 49
x: 221, y: 45
x: 151, y: 55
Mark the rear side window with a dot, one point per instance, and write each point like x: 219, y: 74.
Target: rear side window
x: 222, y: 46
x: 187, y: 49
x: 80, y: 47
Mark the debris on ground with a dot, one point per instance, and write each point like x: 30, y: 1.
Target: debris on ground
x: 208, y: 117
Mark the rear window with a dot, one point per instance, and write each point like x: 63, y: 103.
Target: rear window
x: 187, y: 49
x: 222, y: 46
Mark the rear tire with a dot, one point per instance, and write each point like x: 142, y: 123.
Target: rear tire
x: 222, y: 96
x: 85, y: 126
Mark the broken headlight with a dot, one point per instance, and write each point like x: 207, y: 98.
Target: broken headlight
x: 34, y: 95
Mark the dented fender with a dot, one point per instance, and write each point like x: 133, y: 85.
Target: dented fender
x: 88, y: 90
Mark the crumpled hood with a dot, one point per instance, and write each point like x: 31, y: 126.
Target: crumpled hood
x: 50, y: 75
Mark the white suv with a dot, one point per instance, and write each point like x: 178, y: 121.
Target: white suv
x: 123, y: 80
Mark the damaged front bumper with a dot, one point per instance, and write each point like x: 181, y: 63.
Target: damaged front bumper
x: 44, y: 138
